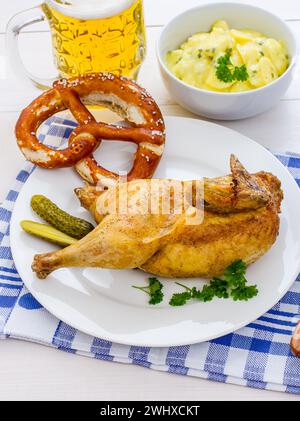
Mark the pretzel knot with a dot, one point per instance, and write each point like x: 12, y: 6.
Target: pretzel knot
x: 125, y: 97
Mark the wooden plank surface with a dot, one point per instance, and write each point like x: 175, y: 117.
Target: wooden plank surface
x: 159, y: 12
x: 38, y: 60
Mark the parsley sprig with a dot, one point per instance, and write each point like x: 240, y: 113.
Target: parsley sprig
x: 206, y: 294
x: 233, y: 284
x: 227, y: 72
x: 154, y: 290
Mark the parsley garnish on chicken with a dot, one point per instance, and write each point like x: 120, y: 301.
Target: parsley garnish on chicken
x: 233, y: 284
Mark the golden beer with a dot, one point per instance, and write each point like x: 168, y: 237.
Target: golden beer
x: 97, y: 36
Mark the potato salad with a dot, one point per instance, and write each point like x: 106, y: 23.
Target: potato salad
x: 228, y: 60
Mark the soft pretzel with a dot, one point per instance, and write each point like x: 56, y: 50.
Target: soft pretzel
x: 295, y: 341
x: 119, y: 94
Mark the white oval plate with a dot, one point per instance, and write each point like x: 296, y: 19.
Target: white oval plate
x: 102, y: 303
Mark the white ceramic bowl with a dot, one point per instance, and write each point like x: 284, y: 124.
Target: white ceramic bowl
x: 219, y: 105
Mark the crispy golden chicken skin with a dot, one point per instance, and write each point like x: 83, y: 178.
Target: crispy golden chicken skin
x: 193, y: 229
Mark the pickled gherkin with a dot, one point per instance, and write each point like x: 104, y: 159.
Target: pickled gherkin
x: 70, y: 225
x: 46, y: 232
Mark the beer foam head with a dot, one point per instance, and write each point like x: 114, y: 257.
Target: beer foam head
x: 90, y: 9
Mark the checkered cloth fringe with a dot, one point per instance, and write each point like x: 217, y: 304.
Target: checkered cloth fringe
x: 256, y: 356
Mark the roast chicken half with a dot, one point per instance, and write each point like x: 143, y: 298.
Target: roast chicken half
x: 141, y: 225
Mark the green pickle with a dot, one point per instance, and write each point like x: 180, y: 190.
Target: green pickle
x: 59, y: 219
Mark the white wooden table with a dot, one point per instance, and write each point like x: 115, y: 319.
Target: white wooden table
x: 30, y: 371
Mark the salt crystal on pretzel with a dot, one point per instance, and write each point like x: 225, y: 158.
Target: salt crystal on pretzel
x: 119, y: 94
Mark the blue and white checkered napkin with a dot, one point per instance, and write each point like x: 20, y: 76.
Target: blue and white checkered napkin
x: 255, y: 356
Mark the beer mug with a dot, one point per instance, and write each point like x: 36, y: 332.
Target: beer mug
x: 87, y: 36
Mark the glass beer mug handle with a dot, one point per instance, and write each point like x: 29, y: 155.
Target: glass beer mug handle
x: 14, y: 26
